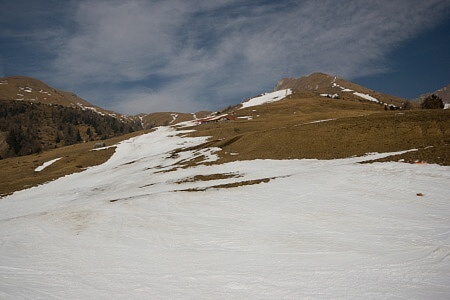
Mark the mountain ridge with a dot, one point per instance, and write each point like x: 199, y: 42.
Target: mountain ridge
x: 24, y: 88
x: 336, y: 87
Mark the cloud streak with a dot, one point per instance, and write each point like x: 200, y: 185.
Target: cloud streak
x: 135, y: 56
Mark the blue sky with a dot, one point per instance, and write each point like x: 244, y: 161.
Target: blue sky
x: 173, y: 55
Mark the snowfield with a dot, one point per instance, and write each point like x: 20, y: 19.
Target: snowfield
x: 133, y: 228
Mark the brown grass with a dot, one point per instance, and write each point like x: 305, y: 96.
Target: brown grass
x: 283, y: 130
x: 229, y: 185
x: 209, y: 177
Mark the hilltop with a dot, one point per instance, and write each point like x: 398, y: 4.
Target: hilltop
x: 27, y: 89
x: 335, y: 87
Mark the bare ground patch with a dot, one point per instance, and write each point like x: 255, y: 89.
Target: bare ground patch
x: 229, y: 185
x: 209, y: 177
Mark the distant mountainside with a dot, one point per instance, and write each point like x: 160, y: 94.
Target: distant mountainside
x: 443, y: 93
x: 36, y: 117
x: 335, y: 87
x: 33, y: 90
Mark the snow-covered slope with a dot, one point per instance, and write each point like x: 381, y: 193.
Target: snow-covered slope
x: 135, y: 228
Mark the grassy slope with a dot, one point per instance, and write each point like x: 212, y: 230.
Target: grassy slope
x: 281, y: 130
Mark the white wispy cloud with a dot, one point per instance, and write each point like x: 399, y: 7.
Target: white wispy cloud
x: 192, y: 55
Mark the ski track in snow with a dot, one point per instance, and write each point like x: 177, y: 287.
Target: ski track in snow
x: 319, y: 229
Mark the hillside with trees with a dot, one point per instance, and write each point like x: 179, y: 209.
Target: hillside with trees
x: 27, y: 127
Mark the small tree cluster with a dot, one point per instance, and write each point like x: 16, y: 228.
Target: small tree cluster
x: 432, y: 102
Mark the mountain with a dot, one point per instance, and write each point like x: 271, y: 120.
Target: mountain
x: 35, y: 117
x: 335, y: 87
x: 32, y: 90
x: 443, y: 93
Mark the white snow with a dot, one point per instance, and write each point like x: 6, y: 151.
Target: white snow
x: 90, y: 108
x: 333, y: 96
x: 341, y: 87
x: 246, y: 117
x: 267, y: 98
x: 319, y: 229
x: 367, y: 97
x: 46, y: 164
x: 187, y: 123
x: 362, y: 95
x: 320, y: 121
x: 174, y: 117
x: 446, y: 105
x: 26, y: 89
x: 44, y: 92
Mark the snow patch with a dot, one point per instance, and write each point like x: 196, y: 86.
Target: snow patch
x: 367, y: 97
x: 267, y: 98
x: 44, y: 92
x: 83, y: 107
x: 364, y: 96
x: 46, y: 164
x: 26, y: 89
x: 332, y: 96
x: 320, y: 121
x: 174, y: 117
